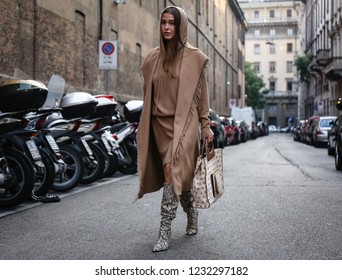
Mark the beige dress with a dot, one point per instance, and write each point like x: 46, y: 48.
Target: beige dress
x: 164, y: 102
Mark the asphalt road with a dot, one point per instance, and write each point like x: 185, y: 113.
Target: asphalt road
x: 282, y: 201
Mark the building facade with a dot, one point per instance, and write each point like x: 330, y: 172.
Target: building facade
x: 45, y: 37
x: 323, y: 40
x: 272, y: 43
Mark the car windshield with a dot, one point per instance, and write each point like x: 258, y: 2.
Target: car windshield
x: 326, y: 123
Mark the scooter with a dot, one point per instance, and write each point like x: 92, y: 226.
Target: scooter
x: 125, y: 134
x: 17, y: 175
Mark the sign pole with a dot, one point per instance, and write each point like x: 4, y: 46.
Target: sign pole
x: 108, y: 59
x: 107, y: 81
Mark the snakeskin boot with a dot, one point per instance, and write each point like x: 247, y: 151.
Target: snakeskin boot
x: 192, y: 213
x: 168, y: 213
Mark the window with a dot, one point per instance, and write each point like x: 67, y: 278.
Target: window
x: 271, y: 13
x: 272, y: 86
x: 289, y: 66
x: 256, y: 49
x: 289, y: 47
x: 272, y: 32
x: 256, y: 32
x: 289, y: 86
x: 272, y: 66
x: 138, y: 54
x: 256, y: 14
x: 256, y: 66
x: 272, y: 107
x: 289, y: 13
x: 289, y: 32
x: 272, y: 48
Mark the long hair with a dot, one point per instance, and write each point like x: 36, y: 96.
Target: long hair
x: 172, y: 46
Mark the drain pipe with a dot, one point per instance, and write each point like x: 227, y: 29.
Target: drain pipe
x: 101, y: 20
x: 35, y: 33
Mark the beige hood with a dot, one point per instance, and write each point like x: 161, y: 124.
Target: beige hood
x: 183, y: 28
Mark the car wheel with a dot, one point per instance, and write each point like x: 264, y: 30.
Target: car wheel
x: 315, y: 144
x: 338, y: 158
x: 331, y: 151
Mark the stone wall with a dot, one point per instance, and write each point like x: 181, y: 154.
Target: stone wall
x: 46, y: 37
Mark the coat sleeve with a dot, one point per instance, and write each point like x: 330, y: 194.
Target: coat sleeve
x: 203, y: 107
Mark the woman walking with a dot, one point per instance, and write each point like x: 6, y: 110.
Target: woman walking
x: 173, y: 120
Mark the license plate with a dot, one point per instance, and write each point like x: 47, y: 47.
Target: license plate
x: 105, y: 142
x: 31, y: 145
x: 52, y: 143
x: 86, y: 146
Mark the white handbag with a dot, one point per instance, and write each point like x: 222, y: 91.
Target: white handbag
x: 208, y: 177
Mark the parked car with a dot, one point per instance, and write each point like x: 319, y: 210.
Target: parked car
x: 338, y: 139
x: 218, y: 129
x: 297, y: 136
x: 243, y: 128
x: 302, y: 131
x: 272, y: 128
x: 231, y: 130
x: 308, y: 129
x: 248, y: 115
x: 263, y: 128
x: 331, y: 137
x: 287, y: 129
x: 236, y: 130
x: 320, y: 130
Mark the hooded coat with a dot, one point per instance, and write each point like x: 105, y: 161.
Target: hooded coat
x: 191, y: 120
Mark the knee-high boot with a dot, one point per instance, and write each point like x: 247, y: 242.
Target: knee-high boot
x: 191, y: 212
x: 168, y: 213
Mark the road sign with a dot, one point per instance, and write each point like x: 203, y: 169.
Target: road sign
x: 232, y: 103
x: 108, y: 55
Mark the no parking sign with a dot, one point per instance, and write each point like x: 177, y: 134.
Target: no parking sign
x: 108, y: 55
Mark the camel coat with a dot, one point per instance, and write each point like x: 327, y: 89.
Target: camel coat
x: 191, y: 121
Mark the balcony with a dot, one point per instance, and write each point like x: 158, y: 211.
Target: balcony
x: 333, y: 70
x: 323, y: 57
x: 315, y: 68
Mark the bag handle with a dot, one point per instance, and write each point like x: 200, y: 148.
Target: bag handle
x: 208, y: 150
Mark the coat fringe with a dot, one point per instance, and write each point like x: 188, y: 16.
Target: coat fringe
x: 193, y: 107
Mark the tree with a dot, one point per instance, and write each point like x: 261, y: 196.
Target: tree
x: 302, y: 63
x: 255, y: 88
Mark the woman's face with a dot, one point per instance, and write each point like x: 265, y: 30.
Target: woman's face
x: 168, y: 28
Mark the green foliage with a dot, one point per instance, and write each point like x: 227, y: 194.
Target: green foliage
x: 302, y: 63
x: 255, y: 88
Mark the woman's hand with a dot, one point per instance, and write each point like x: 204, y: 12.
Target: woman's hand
x: 209, y: 138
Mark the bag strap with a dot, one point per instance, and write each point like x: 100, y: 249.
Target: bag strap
x: 207, y: 150
x: 210, y: 150
x: 203, y: 148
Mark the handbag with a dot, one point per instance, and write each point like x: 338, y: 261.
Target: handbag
x: 208, y: 177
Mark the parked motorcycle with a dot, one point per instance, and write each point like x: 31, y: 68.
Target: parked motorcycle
x: 22, y: 98
x: 16, y: 171
x: 125, y: 133
x: 100, y: 135
x: 85, y: 160
x: 22, y: 169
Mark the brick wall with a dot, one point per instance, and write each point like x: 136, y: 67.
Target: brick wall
x: 46, y: 37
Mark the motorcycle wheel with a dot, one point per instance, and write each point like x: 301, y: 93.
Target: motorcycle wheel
x: 74, y: 170
x: 45, y: 176
x: 93, y: 168
x: 19, y: 181
x: 132, y: 167
x: 111, y: 165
